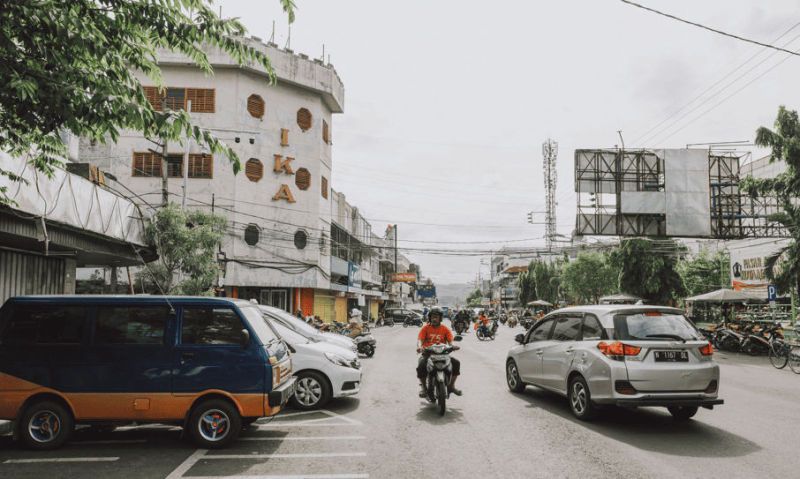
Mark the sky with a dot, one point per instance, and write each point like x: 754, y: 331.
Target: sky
x: 447, y: 102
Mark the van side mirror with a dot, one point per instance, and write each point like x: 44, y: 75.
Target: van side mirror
x: 245, y: 339
x: 520, y: 338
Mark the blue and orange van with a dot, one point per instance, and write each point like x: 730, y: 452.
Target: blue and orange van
x: 210, y: 365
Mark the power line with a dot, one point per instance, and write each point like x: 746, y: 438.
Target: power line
x: 699, y: 25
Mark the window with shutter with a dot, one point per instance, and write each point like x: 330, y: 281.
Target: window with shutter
x: 324, y: 183
x: 254, y: 169
x: 255, y: 106
x: 326, y: 134
x: 146, y: 164
x: 201, y: 166
x: 153, y: 96
x: 203, y: 99
x: 175, y: 99
x: 174, y: 166
x: 304, y: 119
x: 302, y: 178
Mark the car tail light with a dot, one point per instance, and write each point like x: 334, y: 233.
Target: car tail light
x: 707, y: 350
x: 712, y: 387
x: 624, y: 387
x: 652, y: 313
x: 618, y: 349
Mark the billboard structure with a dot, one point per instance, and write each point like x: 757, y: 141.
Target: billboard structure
x: 689, y: 193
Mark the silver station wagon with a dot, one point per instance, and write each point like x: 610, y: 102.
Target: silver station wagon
x: 623, y: 355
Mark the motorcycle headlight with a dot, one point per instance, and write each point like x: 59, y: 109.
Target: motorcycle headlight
x: 340, y: 360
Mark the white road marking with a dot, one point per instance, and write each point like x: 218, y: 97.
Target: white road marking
x: 340, y: 416
x: 186, y: 464
x: 304, y: 438
x: 268, y: 427
x: 61, y: 459
x: 324, y: 422
x: 301, y: 476
x: 285, y: 456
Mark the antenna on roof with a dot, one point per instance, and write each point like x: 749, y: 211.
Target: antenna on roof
x: 323, y: 53
x: 272, y: 37
x: 288, y: 45
x: 220, y: 11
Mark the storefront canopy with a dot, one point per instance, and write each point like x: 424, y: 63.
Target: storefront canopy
x: 723, y: 296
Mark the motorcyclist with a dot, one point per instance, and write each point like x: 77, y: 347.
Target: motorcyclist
x: 435, y: 333
x: 483, y: 322
x: 356, y: 323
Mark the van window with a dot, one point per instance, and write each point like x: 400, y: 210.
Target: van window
x: 131, y: 325
x: 44, y: 324
x: 208, y: 325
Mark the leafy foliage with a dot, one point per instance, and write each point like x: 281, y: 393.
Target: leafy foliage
x: 542, y: 280
x: 588, y: 277
x: 186, y: 243
x: 648, y: 270
x: 783, y: 267
x: 705, y: 273
x: 69, y: 65
x: 474, y: 298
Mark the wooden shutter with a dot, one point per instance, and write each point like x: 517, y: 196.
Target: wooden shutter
x: 302, y: 178
x: 203, y: 99
x: 146, y: 164
x: 201, y: 166
x: 326, y: 134
x: 175, y: 166
x: 304, y: 119
x: 255, y: 106
x: 254, y: 169
x: 324, y: 184
x: 153, y: 96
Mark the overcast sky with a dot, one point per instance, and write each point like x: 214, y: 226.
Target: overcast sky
x: 448, y: 101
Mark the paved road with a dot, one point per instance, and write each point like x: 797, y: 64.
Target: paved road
x: 387, y: 432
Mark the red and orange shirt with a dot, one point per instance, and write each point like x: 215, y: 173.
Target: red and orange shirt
x: 430, y: 335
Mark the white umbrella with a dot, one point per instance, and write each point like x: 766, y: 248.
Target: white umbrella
x: 539, y: 302
x: 723, y: 296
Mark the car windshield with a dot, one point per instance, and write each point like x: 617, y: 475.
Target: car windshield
x: 654, y: 326
x: 290, y: 336
x: 294, y: 323
x: 262, y: 329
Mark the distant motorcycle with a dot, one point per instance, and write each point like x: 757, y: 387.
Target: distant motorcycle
x: 412, y: 321
x: 487, y: 332
x: 512, y: 321
x: 460, y: 325
x: 440, y: 371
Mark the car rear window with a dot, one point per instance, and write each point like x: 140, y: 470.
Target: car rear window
x: 654, y: 326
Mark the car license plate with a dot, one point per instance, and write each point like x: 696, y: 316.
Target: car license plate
x: 672, y: 356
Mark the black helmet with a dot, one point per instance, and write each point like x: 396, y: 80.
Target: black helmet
x: 436, y: 311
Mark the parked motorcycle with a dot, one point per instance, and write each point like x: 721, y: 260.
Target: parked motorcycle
x: 412, y: 321
x: 759, y: 341
x: 365, y: 342
x: 440, y: 371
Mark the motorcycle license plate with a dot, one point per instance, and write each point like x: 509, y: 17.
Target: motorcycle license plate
x: 671, y: 356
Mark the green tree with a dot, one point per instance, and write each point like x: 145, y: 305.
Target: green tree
x: 474, y: 298
x: 526, y: 287
x: 588, y: 277
x: 705, y: 273
x: 648, y: 269
x: 186, y: 243
x: 69, y: 65
x: 782, y: 267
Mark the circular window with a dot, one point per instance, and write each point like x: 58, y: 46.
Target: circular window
x: 251, y: 234
x: 302, y: 178
x: 253, y: 169
x: 304, y: 119
x: 255, y: 106
x: 300, y: 239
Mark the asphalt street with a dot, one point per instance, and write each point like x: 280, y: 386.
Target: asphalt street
x: 388, y: 432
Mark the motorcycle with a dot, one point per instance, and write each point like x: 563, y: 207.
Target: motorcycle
x: 440, y: 370
x: 512, y: 321
x: 365, y: 342
x: 759, y: 342
x: 412, y: 321
x: 485, y: 332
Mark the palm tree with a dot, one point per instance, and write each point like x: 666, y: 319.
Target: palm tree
x: 782, y: 267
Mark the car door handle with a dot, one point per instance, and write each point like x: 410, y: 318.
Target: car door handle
x: 569, y: 351
x: 186, y: 357
x: 539, y: 352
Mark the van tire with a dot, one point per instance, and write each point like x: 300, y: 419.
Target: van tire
x: 201, y: 427
x: 39, y: 412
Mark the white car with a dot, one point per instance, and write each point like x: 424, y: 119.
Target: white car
x: 299, y: 326
x: 323, y: 370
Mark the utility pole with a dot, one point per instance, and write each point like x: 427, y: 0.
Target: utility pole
x: 164, y: 175
x: 395, y: 249
x: 549, y: 155
x: 185, y: 161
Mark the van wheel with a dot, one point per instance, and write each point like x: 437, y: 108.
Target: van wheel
x: 682, y: 413
x: 214, y: 424
x: 312, y: 391
x: 580, y: 399
x: 513, y: 380
x: 45, y: 425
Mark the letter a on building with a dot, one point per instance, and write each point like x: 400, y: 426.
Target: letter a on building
x: 284, y: 193
x: 282, y: 165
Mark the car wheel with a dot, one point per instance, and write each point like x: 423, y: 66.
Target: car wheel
x: 45, y: 425
x: 369, y: 350
x: 682, y: 413
x: 580, y: 399
x: 214, y: 424
x: 513, y: 380
x: 312, y: 391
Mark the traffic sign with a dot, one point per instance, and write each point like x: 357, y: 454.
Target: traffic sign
x: 772, y: 292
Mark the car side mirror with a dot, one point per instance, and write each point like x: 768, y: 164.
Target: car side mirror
x: 520, y: 338
x: 458, y: 337
x: 245, y: 338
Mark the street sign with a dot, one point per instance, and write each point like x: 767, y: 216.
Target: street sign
x: 404, y: 277
x: 772, y: 292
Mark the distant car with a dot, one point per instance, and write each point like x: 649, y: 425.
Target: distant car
x: 623, y: 355
x: 399, y: 315
x: 298, y: 325
x: 323, y: 370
